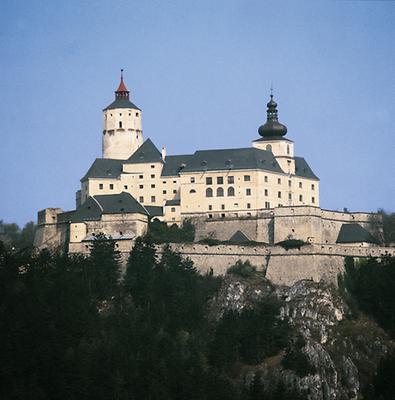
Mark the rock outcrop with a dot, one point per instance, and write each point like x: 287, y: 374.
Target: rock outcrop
x: 343, y: 353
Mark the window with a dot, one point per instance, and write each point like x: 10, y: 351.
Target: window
x: 210, y: 207
x: 266, y: 179
x: 125, y: 186
x: 220, y: 180
x: 100, y: 186
x: 192, y: 179
x: 173, y: 209
x: 174, y: 191
x: 300, y: 197
x: 152, y: 166
x: 153, y: 186
x: 269, y: 147
x: 300, y: 185
x: 279, y: 195
x: 236, y: 205
x: 231, y: 180
x: 209, y: 192
x: 312, y: 186
x: 288, y: 149
x: 209, y: 180
x: 280, y: 205
x: 222, y: 206
x: 165, y: 192
x: 279, y: 181
x: 248, y: 192
x: 222, y: 215
x: 266, y: 192
x: 247, y: 178
x: 248, y: 205
x: 111, y: 186
x: 289, y: 196
x: 153, y: 199
x: 141, y: 176
x: 120, y: 124
x: 164, y: 182
x: 231, y: 191
x: 210, y: 215
x: 141, y: 199
x: 289, y: 183
x: 152, y: 176
x: 220, y: 192
x: 137, y: 114
x: 267, y: 204
x: 141, y: 186
x: 192, y: 191
x: 313, y: 200
x: 174, y: 181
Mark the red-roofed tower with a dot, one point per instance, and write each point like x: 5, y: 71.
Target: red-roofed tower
x: 122, y: 128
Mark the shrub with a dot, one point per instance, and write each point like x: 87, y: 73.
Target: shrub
x: 291, y: 244
x: 243, y: 269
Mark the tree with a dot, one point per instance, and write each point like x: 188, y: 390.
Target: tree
x: 104, y: 267
x: 139, y: 271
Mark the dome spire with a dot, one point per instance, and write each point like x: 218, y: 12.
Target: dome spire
x: 272, y: 127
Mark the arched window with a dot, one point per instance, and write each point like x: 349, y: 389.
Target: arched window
x: 220, y: 192
x: 231, y: 191
x: 287, y: 148
x: 209, y: 192
x: 193, y: 191
x: 269, y: 147
x: 120, y: 124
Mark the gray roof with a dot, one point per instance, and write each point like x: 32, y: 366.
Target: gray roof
x: 303, y: 169
x: 354, y: 233
x: 239, y: 237
x: 228, y: 159
x: 94, y: 207
x: 121, y: 103
x: 174, y: 164
x: 146, y: 153
x: 174, y: 202
x: 104, y: 168
x: 154, y: 211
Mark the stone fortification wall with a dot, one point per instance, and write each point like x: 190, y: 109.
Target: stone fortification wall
x: 255, y: 228
x: 283, y: 267
x: 310, y: 224
x: 316, y: 262
x: 51, y: 235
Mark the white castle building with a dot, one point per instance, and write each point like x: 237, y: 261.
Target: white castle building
x: 261, y: 193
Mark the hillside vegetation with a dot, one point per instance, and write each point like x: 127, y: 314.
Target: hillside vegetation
x: 72, y: 329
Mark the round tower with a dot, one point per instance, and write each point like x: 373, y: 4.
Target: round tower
x: 122, y: 129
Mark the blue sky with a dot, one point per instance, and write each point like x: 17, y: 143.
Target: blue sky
x: 201, y: 72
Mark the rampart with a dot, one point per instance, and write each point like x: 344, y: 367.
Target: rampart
x: 307, y: 223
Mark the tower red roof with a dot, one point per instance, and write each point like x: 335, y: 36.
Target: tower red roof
x: 121, y: 87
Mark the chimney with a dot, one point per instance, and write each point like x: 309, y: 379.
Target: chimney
x: 163, y: 153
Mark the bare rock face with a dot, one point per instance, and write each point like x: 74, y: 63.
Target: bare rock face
x: 238, y: 293
x: 342, y: 352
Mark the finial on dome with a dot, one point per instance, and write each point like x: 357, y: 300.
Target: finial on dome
x: 272, y: 127
x: 121, y: 74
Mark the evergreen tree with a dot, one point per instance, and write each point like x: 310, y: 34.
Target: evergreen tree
x: 104, y: 267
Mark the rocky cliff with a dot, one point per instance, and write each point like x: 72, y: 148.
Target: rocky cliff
x: 331, y: 355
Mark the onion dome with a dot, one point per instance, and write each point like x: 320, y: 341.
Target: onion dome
x: 272, y: 127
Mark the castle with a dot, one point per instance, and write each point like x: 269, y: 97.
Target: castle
x: 262, y: 193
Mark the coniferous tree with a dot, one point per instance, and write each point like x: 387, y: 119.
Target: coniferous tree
x: 104, y: 267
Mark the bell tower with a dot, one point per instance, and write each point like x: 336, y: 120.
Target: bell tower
x: 122, y: 128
